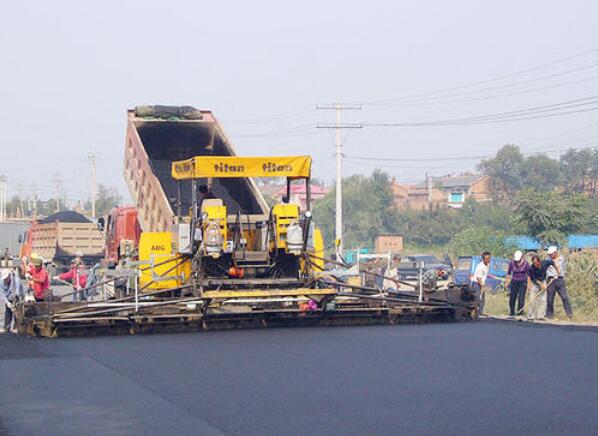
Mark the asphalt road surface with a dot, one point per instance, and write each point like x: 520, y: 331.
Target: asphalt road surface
x: 489, y: 377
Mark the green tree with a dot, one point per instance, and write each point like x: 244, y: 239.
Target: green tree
x: 487, y: 214
x: 576, y: 170
x: 106, y: 199
x: 474, y: 240
x: 541, y: 173
x: 506, y: 171
x: 368, y: 210
x: 434, y: 227
x: 550, y: 216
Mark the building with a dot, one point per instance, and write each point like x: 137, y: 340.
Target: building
x: 446, y: 191
x: 410, y: 196
x: 298, y: 193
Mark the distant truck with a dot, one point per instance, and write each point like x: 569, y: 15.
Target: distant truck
x: 59, y: 237
x: 121, y: 232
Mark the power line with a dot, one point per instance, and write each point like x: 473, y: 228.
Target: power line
x: 516, y: 115
x: 501, y: 95
x: 456, y: 158
x: 299, y: 130
x: 293, y: 113
x: 486, y: 81
x: 503, y: 86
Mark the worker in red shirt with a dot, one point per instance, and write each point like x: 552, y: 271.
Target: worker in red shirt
x: 77, y: 277
x: 39, y: 281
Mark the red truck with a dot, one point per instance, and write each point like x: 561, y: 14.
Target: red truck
x: 121, y: 231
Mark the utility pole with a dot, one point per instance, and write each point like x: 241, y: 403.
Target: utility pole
x: 34, y: 208
x: 56, y: 179
x: 3, y: 182
x: 92, y: 163
x: 429, y: 186
x: 338, y: 108
x: 20, y: 194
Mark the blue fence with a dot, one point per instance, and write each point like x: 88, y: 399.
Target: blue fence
x: 573, y: 242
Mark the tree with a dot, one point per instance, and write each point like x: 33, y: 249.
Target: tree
x: 487, y: 214
x: 576, y: 170
x: 368, y: 210
x: 506, y: 171
x: 549, y: 217
x: 106, y: 199
x: 474, y: 240
x: 541, y: 173
x: 434, y: 227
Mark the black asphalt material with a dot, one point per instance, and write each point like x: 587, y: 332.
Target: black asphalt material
x: 488, y: 377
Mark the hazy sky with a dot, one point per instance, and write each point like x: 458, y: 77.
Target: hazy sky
x: 69, y: 70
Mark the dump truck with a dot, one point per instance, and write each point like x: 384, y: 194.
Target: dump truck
x: 212, y: 254
x: 60, y: 236
x: 157, y: 137
x: 121, y: 232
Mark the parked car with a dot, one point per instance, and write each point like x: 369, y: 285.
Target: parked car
x: 466, y: 267
x: 409, y: 266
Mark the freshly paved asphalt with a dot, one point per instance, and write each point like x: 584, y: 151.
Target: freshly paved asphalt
x: 489, y: 377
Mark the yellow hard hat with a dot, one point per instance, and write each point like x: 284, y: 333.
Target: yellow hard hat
x: 37, y: 261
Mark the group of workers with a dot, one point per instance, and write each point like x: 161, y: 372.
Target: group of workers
x: 544, y: 279
x: 31, y: 282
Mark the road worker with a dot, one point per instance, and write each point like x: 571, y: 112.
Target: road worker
x: 203, y: 193
x: 517, y: 279
x: 12, y: 290
x: 478, y: 280
x: 537, y: 289
x: 555, y: 276
x: 39, y: 280
x: 77, y: 277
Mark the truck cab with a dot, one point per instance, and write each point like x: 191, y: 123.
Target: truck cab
x: 122, y: 232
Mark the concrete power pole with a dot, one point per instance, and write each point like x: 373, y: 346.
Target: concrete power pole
x: 429, y: 186
x: 3, y: 183
x: 338, y: 108
x: 57, y: 184
x: 21, y: 201
x: 34, y: 206
x: 92, y: 164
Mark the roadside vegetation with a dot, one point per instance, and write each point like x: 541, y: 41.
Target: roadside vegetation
x: 582, y: 286
x: 534, y: 195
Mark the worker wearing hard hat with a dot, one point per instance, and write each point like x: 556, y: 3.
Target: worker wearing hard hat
x: 77, y: 277
x: 39, y: 281
x: 516, y: 281
x: 555, y: 276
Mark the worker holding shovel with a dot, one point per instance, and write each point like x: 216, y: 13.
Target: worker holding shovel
x: 556, y: 277
x: 76, y: 277
x: 536, y: 306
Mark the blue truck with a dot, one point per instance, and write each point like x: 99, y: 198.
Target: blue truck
x: 466, y: 267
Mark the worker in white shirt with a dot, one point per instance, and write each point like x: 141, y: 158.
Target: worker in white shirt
x: 478, y: 280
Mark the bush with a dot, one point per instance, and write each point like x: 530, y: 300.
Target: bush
x: 582, y: 283
x: 474, y: 240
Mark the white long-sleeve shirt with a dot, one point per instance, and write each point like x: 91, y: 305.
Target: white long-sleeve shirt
x: 481, y: 273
